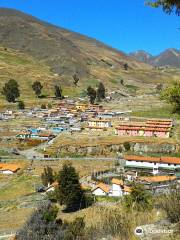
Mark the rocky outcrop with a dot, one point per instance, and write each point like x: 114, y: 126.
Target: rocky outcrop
x: 112, y: 150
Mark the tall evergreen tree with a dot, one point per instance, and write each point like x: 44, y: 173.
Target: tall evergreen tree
x: 91, y: 92
x: 37, y: 88
x: 101, y: 91
x: 58, y: 92
x: 47, y: 176
x: 11, y: 90
x: 69, y: 189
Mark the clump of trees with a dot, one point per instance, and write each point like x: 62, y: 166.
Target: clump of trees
x: 172, y: 95
x: 58, y: 92
x: 37, y: 88
x: 99, y: 93
x: 11, y: 90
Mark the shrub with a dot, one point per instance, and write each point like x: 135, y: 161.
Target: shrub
x: 127, y: 146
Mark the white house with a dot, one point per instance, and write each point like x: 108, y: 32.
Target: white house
x: 117, y: 188
x: 51, y: 187
x: 101, y: 190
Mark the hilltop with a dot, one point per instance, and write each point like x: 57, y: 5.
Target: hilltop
x: 31, y: 49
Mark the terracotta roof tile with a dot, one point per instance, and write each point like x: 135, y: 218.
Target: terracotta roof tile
x: 102, y: 186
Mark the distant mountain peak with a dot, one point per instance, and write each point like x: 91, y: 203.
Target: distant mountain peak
x: 169, y: 57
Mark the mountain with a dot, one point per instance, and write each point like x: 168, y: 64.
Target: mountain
x: 170, y: 57
x: 65, y: 51
x: 31, y: 49
x: 141, y: 55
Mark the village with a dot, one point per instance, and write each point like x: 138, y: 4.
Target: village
x: 69, y: 118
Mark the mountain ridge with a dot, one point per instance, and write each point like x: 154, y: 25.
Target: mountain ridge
x: 169, y: 57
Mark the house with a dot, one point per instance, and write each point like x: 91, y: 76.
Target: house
x: 150, y: 128
x: 101, y: 190
x: 96, y: 107
x: 98, y: 124
x: 10, y: 168
x: 158, y: 183
x: 117, y: 188
x: 168, y: 163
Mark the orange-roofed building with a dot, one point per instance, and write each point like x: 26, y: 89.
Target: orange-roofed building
x: 10, y: 168
x: 157, y: 179
x: 101, y: 189
x: 168, y: 163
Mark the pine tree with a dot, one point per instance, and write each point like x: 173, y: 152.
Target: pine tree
x: 70, y: 192
x: 47, y: 176
x: 11, y: 90
x: 37, y: 87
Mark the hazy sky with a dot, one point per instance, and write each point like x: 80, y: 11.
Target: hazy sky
x: 128, y: 25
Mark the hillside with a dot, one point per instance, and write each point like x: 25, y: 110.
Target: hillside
x: 170, y: 57
x: 31, y: 49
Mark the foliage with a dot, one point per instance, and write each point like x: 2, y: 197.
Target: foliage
x: 21, y: 105
x: 127, y: 146
x: 11, y: 90
x: 58, y: 92
x: 91, y: 92
x: 37, y: 88
x: 172, y: 95
x: 47, y: 176
x: 70, y: 192
x: 75, y: 79
x: 167, y: 5
x: 126, y: 67
x: 171, y: 204
x: 139, y: 198
x: 43, y: 106
x: 43, y: 224
x: 101, y: 91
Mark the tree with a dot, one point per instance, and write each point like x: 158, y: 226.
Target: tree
x: 101, y: 91
x: 58, y: 92
x: 76, y: 79
x: 47, y: 176
x: 92, y: 94
x: 139, y: 198
x: 168, y: 6
x: 172, y: 95
x: 37, y: 88
x: 69, y: 188
x: 126, y: 66
x: 11, y: 90
x: 159, y: 87
x: 21, y: 105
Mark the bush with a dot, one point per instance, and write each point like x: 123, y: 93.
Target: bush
x: 43, y: 106
x: 127, y: 146
x: 170, y: 203
x: 21, y: 105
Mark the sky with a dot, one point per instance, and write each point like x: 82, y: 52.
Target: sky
x: 127, y: 25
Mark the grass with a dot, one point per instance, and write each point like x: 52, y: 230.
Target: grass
x: 164, y: 112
